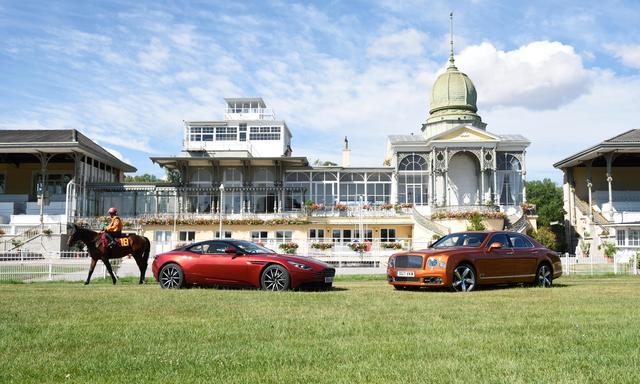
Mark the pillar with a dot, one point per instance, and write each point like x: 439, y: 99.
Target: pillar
x: 482, y: 186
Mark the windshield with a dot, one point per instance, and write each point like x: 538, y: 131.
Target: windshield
x: 252, y: 248
x: 460, y: 240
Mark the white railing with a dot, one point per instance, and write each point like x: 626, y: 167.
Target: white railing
x: 572, y: 265
x: 34, y: 267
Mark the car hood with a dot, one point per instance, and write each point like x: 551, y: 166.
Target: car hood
x: 304, y: 260
x: 429, y: 252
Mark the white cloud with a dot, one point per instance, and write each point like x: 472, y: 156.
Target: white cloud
x: 408, y: 42
x: 155, y: 56
x: 540, y: 75
x: 629, y: 54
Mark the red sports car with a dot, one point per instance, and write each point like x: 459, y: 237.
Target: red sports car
x: 238, y: 263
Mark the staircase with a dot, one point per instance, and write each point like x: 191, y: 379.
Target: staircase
x: 520, y: 225
x: 598, y: 217
x: 424, y: 229
x: 20, y: 239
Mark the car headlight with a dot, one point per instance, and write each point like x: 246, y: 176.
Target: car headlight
x: 434, y: 262
x: 300, y: 265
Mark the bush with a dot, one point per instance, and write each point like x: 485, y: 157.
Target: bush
x: 476, y: 222
x: 289, y: 247
x: 546, y: 237
x: 609, y: 249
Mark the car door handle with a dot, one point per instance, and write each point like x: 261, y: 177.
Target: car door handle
x: 534, y: 252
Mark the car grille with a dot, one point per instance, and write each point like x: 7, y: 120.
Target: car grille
x: 409, y: 262
x: 327, y: 272
x: 413, y: 279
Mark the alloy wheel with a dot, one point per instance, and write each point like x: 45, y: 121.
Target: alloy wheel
x: 464, y: 278
x: 171, y: 276
x: 275, y: 278
x: 544, y: 278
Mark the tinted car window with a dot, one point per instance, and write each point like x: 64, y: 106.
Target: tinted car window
x: 195, y: 248
x: 520, y: 241
x: 500, y: 238
x: 460, y: 240
x: 214, y: 247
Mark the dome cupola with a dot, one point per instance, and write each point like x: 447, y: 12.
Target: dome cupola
x: 453, y: 99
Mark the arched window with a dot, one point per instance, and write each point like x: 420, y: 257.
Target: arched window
x: 507, y: 162
x: 413, y: 180
x: 509, y: 179
x: 413, y: 163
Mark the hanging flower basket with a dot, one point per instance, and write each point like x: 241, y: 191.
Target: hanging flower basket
x: 289, y: 247
x: 322, y: 246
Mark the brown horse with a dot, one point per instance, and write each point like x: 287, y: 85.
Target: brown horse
x: 137, y: 246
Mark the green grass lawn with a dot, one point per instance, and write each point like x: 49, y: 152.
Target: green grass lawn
x: 583, y: 330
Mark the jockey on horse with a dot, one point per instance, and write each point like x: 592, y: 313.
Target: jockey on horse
x: 114, y: 229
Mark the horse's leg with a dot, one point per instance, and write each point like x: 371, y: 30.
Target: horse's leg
x: 91, y: 268
x: 142, y: 264
x: 108, y: 265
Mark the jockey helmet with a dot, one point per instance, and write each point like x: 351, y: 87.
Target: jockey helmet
x: 113, y: 210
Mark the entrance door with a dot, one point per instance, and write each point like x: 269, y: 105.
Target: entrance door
x: 414, y: 194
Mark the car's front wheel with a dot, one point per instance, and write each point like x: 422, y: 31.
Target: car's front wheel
x: 464, y: 278
x: 171, y: 276
x: 544, y: 276
x: 275, y: 278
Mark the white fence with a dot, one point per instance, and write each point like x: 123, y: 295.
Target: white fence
x: 50, y: 266
x: 572, y: 265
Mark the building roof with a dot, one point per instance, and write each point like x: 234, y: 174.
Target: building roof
x: 626, y: 142
x: 240, y: 100
x: 57, y: 141
x: 631, y: 136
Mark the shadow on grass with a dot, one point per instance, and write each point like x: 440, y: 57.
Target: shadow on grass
x: 480, y: 288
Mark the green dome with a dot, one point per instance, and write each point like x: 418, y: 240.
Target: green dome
x: 453, y: 90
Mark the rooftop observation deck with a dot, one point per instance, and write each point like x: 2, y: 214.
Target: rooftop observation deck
x: 251, y: 108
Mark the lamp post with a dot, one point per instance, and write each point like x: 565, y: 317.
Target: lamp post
x: 220, y: 208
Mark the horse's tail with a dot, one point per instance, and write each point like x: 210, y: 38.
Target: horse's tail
x: 147, y: 249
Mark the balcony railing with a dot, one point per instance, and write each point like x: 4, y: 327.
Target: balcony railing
x: 466, y: 208
x: 243, y: 113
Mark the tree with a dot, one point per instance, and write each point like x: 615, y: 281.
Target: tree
x: 320, y: 163
x: 146, y: 178
x: 174, y: 177
x: 549, y: 200
x: 546, y: 237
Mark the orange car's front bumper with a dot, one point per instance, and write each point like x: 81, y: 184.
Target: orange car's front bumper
x: 418, y: 277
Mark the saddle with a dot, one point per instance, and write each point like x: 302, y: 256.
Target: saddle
x: 121, y: 240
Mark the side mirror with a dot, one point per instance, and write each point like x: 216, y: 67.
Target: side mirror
x: 495, y: 245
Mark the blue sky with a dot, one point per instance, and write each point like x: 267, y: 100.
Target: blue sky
x: 128, y: 73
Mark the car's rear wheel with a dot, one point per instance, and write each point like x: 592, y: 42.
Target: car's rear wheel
x: 544, y: 276
x: 275, y: 278
x: 171, y: 276
x: 464, y: 278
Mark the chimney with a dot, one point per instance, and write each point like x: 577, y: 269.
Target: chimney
x: 346, y: 154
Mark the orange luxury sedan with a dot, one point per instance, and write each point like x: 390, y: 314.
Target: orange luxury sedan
x: 465, y: 260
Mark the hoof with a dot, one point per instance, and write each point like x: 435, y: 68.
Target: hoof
x: 141, y: 282
x: 86, y: 283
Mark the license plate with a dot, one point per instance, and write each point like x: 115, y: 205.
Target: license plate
x: 405, y: 274
x: 328, y: 279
